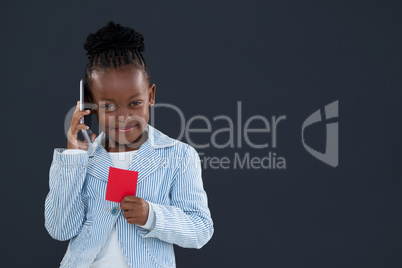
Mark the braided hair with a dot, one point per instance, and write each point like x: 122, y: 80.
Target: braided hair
x: 114, y: 46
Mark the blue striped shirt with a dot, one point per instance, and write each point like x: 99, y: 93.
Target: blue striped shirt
x: 169, y: 179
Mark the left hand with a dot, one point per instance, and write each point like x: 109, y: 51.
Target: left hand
x: 135, y: 209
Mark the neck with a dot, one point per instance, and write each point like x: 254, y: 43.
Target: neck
x: 116, y: 147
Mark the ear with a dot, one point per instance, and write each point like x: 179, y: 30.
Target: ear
x: 152, y: 95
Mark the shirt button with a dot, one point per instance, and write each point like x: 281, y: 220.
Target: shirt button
x: 115, y: 210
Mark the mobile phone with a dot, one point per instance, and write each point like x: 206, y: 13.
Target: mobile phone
x: 83, y: 100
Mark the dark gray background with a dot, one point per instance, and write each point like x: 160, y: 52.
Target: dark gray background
x: 277, y: 57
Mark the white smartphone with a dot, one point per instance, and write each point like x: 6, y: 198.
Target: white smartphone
x: 85, y: 132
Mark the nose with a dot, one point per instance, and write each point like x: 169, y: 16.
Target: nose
x: 124, y: 115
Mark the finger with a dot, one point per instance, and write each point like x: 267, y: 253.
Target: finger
x: 131, y: 199
x: 73, y: 136
x: 78, y: 127
x: 78, y: 115
x: 129, y: 214
x: 77, y: 109
x: 128, y: 205
x: 132, y: 220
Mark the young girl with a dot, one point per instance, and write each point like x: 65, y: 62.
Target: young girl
x: 170, y: 205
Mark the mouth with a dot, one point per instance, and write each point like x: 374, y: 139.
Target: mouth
x: 125, y: 129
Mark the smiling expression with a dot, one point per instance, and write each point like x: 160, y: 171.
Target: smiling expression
x: 122, y: 97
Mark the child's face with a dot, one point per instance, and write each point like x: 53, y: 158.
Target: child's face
x: 123, y: 98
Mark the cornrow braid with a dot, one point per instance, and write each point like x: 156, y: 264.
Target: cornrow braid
x: 114, y: 46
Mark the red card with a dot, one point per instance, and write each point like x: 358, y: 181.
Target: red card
x: 121, y: 182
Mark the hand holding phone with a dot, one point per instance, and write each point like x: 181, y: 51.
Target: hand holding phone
x: 72, y: 136
x: 77, y: 123
x: 85, y: 132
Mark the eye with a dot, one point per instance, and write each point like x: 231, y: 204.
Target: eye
x: 110, y: 107
x: 136, y: 103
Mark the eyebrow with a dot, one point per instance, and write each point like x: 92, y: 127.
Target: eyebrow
x: 135, y: 95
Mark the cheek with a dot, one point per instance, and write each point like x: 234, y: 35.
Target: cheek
x: 106, y: 120
x: 144, y: 117
x: 144, y: 113
x: 141, y: 115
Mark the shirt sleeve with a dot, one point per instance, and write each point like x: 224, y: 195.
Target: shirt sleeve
x: 64, y: 208
x: 187, y: 221
x: 150, y: 224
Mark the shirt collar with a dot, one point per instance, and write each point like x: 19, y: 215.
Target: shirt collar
x: 156, y: 140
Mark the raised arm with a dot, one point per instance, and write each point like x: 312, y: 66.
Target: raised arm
x: 64, y: 208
